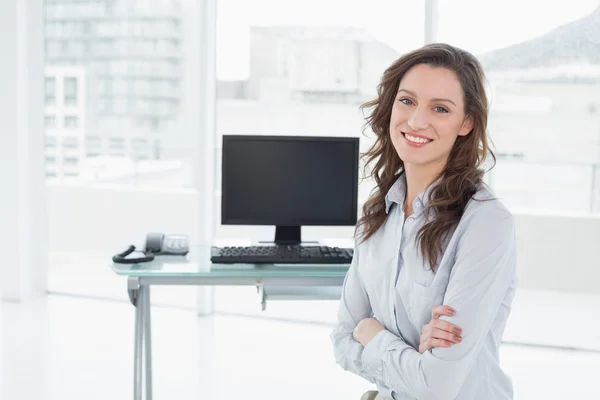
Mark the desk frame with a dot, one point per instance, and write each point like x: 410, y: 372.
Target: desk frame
x: 138, y: 288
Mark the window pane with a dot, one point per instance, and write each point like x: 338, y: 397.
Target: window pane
x: 50, y: 90
x: 286, y: 69
x: 288, y: 60
x: 544, y: 88
x: 105, y: 62
x: 70, y: 142
x: 50, y: 121
x: 73, y: 161
x: 71, y: 122
x: 70, y: 90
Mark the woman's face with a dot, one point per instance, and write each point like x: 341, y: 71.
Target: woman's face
x: 428, y: 116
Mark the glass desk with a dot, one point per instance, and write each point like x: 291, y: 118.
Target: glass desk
x: 196, y: 269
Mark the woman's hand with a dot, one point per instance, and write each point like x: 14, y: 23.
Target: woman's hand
x: 439, y: 333
x: 366, y: 330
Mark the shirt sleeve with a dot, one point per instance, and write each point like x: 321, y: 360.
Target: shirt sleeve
x: 483, y: 272
x: 354, y: 306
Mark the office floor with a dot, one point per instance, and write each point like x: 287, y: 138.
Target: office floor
x: 75, y: 348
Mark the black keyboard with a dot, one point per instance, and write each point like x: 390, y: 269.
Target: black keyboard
x: 281, y: 254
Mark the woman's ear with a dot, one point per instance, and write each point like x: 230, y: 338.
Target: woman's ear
x: 466, y: 127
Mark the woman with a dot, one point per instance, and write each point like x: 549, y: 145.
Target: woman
x: 427, y: 296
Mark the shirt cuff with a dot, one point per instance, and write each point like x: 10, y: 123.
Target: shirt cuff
x: 372, y: 355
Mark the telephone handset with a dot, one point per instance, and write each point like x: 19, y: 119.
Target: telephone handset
x: 157, y: 244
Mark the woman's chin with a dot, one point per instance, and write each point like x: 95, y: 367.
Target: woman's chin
x: 409, y: 157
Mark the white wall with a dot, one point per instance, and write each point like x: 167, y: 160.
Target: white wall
x: 558, y: 252
x: 555, y: 252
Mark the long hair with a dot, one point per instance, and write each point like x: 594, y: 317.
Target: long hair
x: 459, y: 180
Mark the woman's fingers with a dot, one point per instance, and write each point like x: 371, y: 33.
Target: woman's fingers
x: 435, y: 333
x: 441, y: 334
x: 438, y: 311
x: 438, y: 332
x: 446, y: 326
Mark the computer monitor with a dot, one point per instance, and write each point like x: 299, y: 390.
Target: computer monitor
x: 289, y: 181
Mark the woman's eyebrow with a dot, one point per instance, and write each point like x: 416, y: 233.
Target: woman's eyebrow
x: 415, y: 95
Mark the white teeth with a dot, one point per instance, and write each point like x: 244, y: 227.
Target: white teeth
x: 416, y: 139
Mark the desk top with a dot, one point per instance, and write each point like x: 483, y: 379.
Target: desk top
x: 197, y: 263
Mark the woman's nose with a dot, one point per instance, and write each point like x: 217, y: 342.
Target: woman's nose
x: 418, y: 120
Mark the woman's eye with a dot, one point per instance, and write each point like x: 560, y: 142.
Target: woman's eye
x: 441, y: 109
x: 408, y: 102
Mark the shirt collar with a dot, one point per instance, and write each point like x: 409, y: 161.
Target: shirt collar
x: 397, y: 194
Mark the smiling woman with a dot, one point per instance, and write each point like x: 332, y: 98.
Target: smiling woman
x: 436, y: 105
x: 433, y: 277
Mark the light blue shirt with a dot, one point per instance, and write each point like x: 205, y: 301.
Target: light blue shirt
x: 388, y: 281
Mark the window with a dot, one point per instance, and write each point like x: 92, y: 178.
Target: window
x: 50, y: 142
x: 50, y: 121
x: 321, y: 66
x: 120, y: 105
x: 120, y: 86
x: 86, y: 28
x: 116, y: 143
x: 71, y: 122
x: 154, y: 123
x: 70, y: 89
x: 112, y: 31
x: 70, y: 142
x: 53, y: 48
x: 93, y: 141
x: 50, y: 91
x: 76, y: 49
x: 105, y: 85
x: 71, y: 161
x: 139, y: 142
x: 105, y: 105
x: 540, y: 89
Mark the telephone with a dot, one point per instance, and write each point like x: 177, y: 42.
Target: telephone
x: 157, y: 244
x: 167, y: 245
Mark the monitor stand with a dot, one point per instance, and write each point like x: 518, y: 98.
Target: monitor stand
x: 288, y: 235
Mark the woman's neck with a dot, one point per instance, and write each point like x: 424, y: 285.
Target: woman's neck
x: 418, y: 179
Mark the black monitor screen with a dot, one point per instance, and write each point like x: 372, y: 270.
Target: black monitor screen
x: 289, y: 180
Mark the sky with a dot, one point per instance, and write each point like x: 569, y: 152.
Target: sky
x: 476, y: 25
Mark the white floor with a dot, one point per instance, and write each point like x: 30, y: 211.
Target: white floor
x: 76, y: 348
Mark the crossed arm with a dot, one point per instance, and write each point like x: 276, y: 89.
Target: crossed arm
x: 482, y: 274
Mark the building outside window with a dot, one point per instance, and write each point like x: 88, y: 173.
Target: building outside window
x: 70, y: 90
x: 50, y: 91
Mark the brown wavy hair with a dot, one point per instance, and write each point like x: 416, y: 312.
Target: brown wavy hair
x: 462, y: 174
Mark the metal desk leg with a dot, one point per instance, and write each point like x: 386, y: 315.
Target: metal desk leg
x: 139, y: 296
x: 147, y: 341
